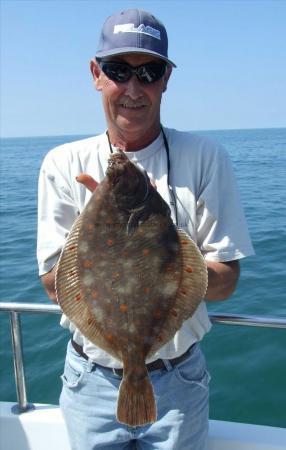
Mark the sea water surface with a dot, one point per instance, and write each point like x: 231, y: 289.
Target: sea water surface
x: 247, y: 365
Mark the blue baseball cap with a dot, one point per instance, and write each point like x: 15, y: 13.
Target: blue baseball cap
x: 133, y: 31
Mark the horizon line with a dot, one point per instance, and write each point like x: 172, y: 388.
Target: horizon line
x: 96, y: 134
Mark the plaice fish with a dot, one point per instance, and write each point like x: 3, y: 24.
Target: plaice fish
x: 128, y: 279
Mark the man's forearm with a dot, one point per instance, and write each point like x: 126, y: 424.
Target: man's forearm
x: 48, y: 281
x: 222, y: 279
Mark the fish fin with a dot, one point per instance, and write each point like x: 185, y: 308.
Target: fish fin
x: 67, y: 275
x: 194, y: 281
x: 136, y: 403
x: 69, y: 293
x: 190, y: 293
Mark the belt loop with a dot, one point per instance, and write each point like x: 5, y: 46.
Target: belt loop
x: 90, y: 365
x: 167, y: 364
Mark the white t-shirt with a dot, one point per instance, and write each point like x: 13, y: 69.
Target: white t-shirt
x: 208, y: 208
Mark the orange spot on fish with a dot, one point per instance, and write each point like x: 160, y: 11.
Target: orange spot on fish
x: 90, y: 321
x: 72, y: 247
x: 78, y: 297
x: 109, y: 242
x: 146, y: 290
x: 89, y: 226
x: 184, y: 242
x: 189, y: 269
x: 87, y: 264
x: 146, y: 251
x: 169, y: 268
x: 94, y: 294
x: 173, y: 312
x: 109, y: 336
x: 183, y: 291
x: 123, y: 308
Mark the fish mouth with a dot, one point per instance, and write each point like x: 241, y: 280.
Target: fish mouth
x: 116, y: 166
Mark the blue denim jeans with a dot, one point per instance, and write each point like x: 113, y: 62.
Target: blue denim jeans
x: 89, y: 399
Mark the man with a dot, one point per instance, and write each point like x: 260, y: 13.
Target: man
x: 131, y: 70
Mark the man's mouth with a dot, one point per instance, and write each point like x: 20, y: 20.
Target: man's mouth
x: 132, y: 105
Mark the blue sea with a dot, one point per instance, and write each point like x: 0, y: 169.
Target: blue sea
x: 247, y: 365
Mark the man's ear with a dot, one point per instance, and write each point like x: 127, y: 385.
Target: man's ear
x: 166, y: 77
x: 95, y: 71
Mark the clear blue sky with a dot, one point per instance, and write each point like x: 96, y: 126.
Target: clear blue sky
x: 231, y: 58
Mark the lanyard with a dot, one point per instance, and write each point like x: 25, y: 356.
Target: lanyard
x: 173, y: 202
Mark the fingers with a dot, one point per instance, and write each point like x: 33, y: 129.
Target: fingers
x: 87, y: 181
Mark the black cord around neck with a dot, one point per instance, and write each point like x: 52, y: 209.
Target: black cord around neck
x: 173, y: 201
x: 108, y: 138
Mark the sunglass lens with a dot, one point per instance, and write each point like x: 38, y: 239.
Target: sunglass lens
x: 116, y: 71
x: 151, y: 72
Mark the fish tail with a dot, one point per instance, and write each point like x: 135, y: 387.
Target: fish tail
x: 136, y: 403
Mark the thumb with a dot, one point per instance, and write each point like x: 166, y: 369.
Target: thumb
x: 87, y: 181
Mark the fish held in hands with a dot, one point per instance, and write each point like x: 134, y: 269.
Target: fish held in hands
x: 128, y: 279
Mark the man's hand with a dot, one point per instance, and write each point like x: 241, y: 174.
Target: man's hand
x: 48, y: 281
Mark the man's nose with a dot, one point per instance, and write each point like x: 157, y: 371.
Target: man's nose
x: 133, y: 88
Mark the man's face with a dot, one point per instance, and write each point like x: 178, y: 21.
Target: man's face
x: 131, y: 107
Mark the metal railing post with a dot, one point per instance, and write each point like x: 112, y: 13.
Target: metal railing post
x: 16, y: 333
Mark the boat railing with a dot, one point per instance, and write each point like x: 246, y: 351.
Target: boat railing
x: 16, y: 309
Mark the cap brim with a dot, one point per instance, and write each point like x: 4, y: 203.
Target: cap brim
x: 123, y: 51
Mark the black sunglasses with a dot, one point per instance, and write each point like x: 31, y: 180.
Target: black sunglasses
x: 122, y: 72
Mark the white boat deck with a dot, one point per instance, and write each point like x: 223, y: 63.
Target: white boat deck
x: 43, y: 429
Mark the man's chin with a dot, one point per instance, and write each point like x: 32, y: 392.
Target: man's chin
x: 131, y: 124
x: 133, y: 114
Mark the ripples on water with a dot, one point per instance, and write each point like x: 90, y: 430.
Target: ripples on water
x: 247, y: 365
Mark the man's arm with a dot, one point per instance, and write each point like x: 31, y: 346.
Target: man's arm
x: 48, y: 280
x: 222, y: 279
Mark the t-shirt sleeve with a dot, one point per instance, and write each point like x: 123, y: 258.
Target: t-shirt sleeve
x: 222, y: 232
x: 56, y: 212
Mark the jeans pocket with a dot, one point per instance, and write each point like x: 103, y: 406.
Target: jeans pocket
x: 193, y: 371
x: 72, y: 376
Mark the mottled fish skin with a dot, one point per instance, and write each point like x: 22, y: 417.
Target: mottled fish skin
x: 124, y: 276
